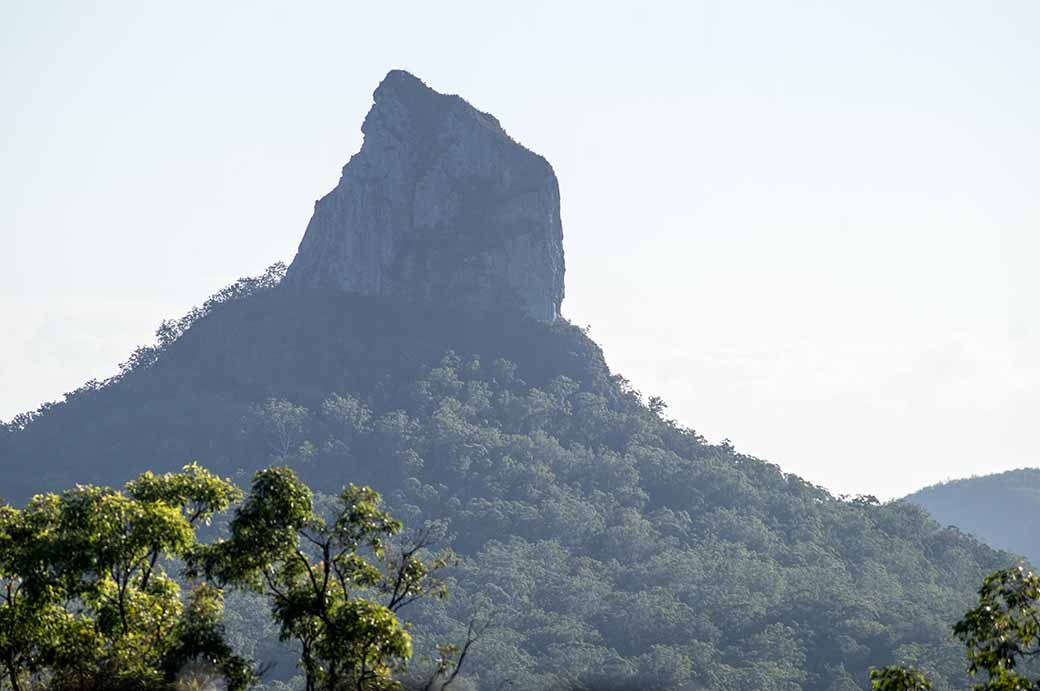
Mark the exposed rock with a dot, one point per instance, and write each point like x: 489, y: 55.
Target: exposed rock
x: 439, y: 205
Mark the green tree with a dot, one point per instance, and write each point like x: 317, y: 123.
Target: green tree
x: 199, y: 641
x: 282, y: 424
x: 88, y: 602
x: 1001, y: 634
x: 30, y: 613
x: 322, y: 575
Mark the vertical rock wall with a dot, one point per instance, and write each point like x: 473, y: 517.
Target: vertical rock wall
x: 439, y: 205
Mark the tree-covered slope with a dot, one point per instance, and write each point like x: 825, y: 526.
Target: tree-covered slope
x: 1002, y: 510
x: 601, y: 538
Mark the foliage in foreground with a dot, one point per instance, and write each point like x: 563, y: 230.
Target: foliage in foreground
x: 1001, y: 636
x: 86, y: 601
x: 316, y: 572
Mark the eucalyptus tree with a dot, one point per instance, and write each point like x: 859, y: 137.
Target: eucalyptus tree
x: 334, y: 582
x: 87, y: 600
x: 1001, y: 636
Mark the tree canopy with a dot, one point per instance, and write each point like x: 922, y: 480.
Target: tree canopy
x: 88, y: 602
x: 323, y: 576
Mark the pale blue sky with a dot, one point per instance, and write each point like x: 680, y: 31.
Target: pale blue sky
x: 810, y: 226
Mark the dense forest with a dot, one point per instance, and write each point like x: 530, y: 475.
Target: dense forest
x: 597, y: 537
x: 999, y: 509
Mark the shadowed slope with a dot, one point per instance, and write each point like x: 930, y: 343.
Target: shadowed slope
x: 1002, y: 510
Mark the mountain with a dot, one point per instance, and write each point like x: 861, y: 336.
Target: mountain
x: 417, y: 346
x: 1002, y: 510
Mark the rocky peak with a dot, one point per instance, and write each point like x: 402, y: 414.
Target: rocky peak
x: 439, y: 205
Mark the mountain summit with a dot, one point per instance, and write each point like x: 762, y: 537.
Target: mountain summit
x: 440, y: 205
x: 607, y: 543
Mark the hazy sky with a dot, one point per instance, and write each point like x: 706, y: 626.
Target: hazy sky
x: 810, y: 226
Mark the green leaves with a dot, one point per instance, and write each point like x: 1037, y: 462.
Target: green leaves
x: 368, y: 638
x: 199, y: 636
x: 362, y: 522
x: 898, y: 679
x: 322, y: 574
x: 1000, y: 634
x: 1003, y: 631
x: 86, y: 595
x: 197, y: 492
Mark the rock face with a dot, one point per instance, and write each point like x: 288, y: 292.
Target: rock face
x: 439, y: 205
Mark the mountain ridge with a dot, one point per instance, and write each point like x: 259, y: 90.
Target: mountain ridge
x: 999, y: 509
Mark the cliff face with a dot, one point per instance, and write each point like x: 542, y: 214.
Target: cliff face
x: 439, y: 205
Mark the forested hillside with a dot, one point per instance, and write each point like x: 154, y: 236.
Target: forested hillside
x: 601, y: 538
x: 1002, y: 510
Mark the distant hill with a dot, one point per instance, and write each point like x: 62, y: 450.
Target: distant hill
x: 1002, y: 510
